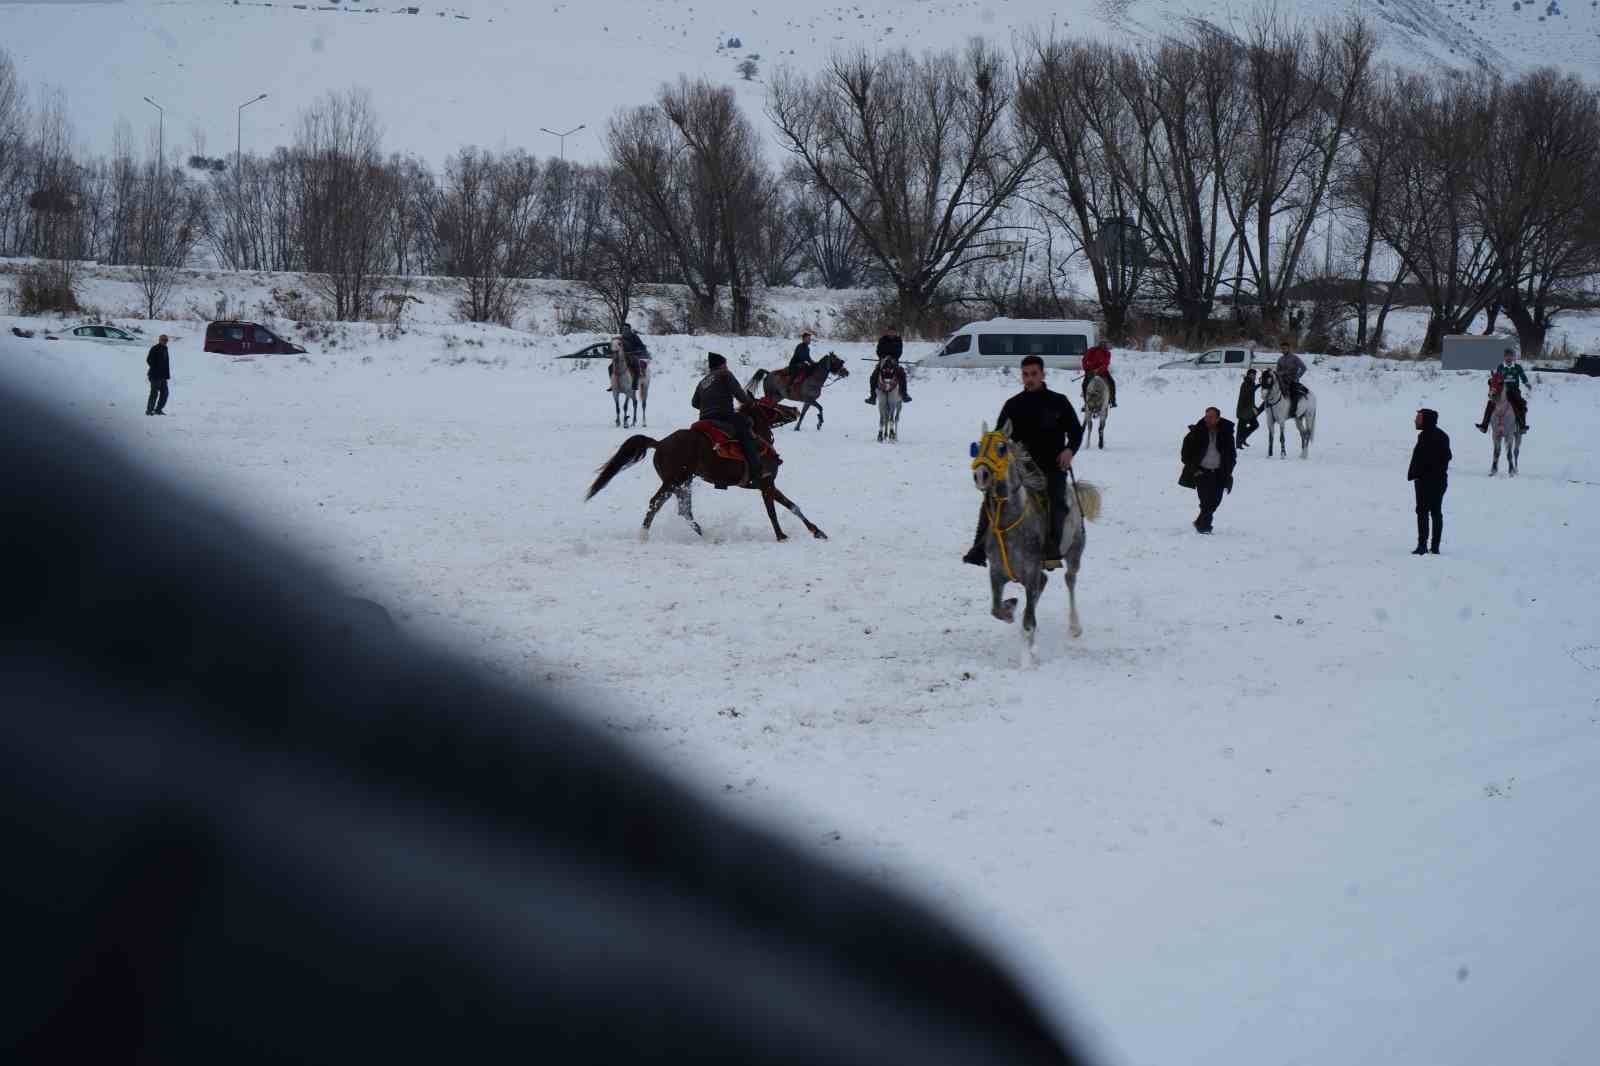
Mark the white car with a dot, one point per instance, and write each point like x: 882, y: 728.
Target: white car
x: 1222, y: 358
x: 105, y: 335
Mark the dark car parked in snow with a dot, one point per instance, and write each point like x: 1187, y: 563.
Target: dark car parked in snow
x: 247, y: 338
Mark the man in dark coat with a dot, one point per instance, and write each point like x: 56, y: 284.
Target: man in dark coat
x: 800, y: 363
x: 633, y: 349
x: 1208, y: 460
x: 1046, y: 424
x: 890, y: 348
x: 1429, y: 474
x: 715, y: 398
x: 241, y: 833
x: 1246, y: 411
x: 159, y: 371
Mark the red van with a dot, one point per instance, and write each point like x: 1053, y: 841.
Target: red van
x: 247, y: 338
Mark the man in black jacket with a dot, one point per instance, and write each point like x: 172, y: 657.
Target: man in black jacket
x: 1429, y: 475
x: 159, y: 372
x: 1046, y: 424
x: 1208, y: 459
x: 714, y: 398
x: 1246, y: 410
x: 890, y: 348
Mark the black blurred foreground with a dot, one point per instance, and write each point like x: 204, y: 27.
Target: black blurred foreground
x: 249, y: 824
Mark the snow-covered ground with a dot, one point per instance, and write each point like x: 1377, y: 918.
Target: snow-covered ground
x: 494, y: 72
x: 1297, y: 796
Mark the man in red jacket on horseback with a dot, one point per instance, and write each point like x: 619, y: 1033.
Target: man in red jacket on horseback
x: 1097, y: 360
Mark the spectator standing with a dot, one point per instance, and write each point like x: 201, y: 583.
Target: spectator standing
x: 159, y: 371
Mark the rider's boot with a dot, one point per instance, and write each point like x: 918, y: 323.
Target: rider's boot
x: 976, y: 555
x: 1488, y: 410
x: 872, y: 392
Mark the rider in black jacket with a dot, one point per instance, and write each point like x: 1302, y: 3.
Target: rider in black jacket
x: 1046, y: 424
x: 714, y: 398
x: 890, y: 348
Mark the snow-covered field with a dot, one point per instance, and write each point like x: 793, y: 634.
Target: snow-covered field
x: 1297, y: 796
x: 494, y: 72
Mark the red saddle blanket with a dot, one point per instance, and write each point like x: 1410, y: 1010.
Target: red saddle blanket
x: 728, y: 447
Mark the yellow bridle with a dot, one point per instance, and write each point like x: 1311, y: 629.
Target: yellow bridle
x: 995, y: 455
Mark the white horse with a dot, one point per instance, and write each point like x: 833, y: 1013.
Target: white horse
x: 1096, y: 405
x: 889, y: 403
x: 1275, y: 405
x: 1503, y: 424
x: 624, y: 387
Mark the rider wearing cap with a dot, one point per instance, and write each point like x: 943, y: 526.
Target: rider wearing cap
x: 714, y: 398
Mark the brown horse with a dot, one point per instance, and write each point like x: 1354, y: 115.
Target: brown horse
x: 777, y: 386
x: 688, y: 454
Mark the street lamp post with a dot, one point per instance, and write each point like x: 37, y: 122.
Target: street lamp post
x: 561, y: 244
x: 238, y: 146
x: 563, y: 138
x: 161, y: 162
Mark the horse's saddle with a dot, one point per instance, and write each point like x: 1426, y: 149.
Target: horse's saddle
x: 727, y: 447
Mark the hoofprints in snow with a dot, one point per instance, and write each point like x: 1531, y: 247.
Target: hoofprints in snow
x: 1296, y: 795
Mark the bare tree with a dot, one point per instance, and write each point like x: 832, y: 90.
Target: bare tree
x: 1185, y: 122
x: 168, y: 220
x: 678, y: 207
x: 1361, y: 183
x: 832, y: 244
x: 343, y: 192
x: 919, y: 153
x: 13, y: 146
x: 1302, y: 90
x: 1427, y: 214
x: 1535, y: 187
x: 728, y: 171
x: 1071, y: 100
x: 616, y: 261
x: 484, y: 223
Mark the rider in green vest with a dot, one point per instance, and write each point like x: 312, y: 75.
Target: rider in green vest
x: 1515, y: 379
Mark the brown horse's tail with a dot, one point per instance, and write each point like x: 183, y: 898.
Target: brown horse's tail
x: 633, y: 449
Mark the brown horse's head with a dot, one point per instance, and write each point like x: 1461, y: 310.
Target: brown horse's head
x: 832, y: 364
x: 764, y: 414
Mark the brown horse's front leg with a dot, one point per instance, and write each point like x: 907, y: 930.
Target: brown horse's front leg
x: 790, y: 504
x: 767, y: 492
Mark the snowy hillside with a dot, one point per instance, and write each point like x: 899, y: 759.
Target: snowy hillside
x: 1295, y: 797
x: 492, y: 72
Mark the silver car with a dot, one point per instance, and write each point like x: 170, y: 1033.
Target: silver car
x: 106, y: 335
x: 1222, y: 358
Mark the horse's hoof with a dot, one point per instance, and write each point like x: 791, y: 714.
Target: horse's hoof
x: 819, y: 534
x: 1076, y: 631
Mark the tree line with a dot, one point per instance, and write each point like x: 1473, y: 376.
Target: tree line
x: 1211, y: 179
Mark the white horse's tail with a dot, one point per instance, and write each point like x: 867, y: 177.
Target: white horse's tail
x: 1089, y: 498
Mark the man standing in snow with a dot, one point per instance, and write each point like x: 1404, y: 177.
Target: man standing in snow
x: 1097, y: 360
x: 1246, y: 411
x: 159, y: 372
x: 1429, y: 475
x: 1513, y: 379
x: 1208, y: 459
x: 890, y: 348
x: 1046, y: 424
x: 714, y: 398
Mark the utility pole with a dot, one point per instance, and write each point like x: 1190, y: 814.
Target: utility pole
x: 161, y: 165
x: 563, y: 138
